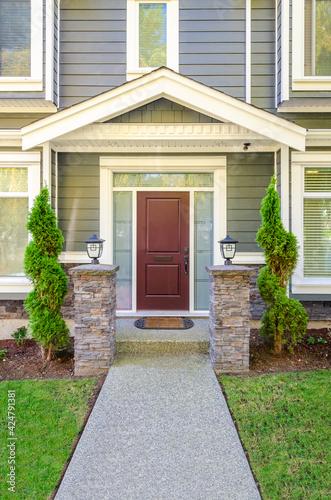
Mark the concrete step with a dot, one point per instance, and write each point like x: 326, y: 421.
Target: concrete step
x: 130, y: 339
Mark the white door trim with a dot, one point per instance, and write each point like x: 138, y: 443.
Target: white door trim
x: 110, y: 165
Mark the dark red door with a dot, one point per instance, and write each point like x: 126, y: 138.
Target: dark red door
x: 162, y: 250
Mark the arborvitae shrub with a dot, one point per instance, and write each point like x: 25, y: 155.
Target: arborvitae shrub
x: 285, y: 319
x: 50, y: 283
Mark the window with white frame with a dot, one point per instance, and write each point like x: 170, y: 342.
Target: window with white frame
x: 21, y: 45
x: 152, y: 36
x: 311, y: 215
x: 19, y: 185
x: 311, y: 45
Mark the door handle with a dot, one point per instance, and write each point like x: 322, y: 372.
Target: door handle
x: 186, y: 264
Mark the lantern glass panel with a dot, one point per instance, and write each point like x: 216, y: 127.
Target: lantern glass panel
x: 93, y: 250
x: 229, y: 250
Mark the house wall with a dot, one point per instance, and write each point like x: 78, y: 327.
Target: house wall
x: 78, y: 198
x: 92, y: 48
x: 211, y: 47
x: 163, y: 111
x: 279, y: 51
x: 263, y: 54
x: 212, y: 43
x: 53, y: 180
x: 248, y: 176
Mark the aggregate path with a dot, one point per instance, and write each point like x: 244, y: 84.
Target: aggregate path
x: 160, y: 429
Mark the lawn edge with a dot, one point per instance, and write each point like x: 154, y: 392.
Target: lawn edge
x: 237, y: 429
x: 90, y: 404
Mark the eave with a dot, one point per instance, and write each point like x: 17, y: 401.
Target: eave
x: 164, y: 83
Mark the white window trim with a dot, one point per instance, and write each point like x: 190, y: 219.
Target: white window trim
x: 299, y: 80
x: 31, y: 161
x: 133, y: 70
x: 33, y: 82
x: 300, y: 284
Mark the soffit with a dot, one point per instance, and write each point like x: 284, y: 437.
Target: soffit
x: 306, y: 105
x: 189, y: 137
x: 27, y: 106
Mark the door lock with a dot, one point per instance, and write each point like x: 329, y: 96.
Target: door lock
x: 185, y: 260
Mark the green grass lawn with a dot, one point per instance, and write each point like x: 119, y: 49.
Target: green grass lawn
x: 284, y: 423
x: 48, y: 415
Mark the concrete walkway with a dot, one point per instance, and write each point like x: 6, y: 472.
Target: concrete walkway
x: 160, y: 430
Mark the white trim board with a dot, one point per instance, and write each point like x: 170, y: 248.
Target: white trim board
x: 170, y: 85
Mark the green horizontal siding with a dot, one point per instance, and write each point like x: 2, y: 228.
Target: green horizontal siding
x: 212, y: 44
x: 163, y: 111
x: 78, y: 198
x: 87, y: 30
x: 263, y: 44
x: 248, y: 176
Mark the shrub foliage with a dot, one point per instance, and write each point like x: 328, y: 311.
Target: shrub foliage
x: 49, y: 281
x: 285, y: 319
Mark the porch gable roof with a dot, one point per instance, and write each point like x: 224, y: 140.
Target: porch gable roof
x: 173, y: 86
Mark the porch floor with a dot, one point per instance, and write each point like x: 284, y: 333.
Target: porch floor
x: 135, y: 340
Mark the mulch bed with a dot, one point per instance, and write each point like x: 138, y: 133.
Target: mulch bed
x: 25, y: 362
x: 312, y: 355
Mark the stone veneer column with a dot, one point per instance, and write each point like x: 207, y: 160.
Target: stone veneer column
x: 229, y: 316
x: 95, y: 315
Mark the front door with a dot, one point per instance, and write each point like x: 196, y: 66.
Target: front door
x: 163, y: 251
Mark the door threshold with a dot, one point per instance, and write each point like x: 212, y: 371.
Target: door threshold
x: 139, y: 314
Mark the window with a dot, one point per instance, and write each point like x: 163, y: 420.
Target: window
x: 21, y: 39
x: 19, y: 184
x: 311, y: 64
x: 318, y: 38
x: 311, y: 215
x: 152, y: 36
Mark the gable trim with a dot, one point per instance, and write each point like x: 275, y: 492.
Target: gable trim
x: 170, y: 85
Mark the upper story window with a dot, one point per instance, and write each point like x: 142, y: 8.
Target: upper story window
x: 311, y: 64
x: 152, y: 36
x: 318, y: 38
x: 21, y: 39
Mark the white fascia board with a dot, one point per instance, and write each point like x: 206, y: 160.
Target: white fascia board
x: 311, y: 157
x: 15, y: 157
x: 170, y: 85
x: 12, y: 133
x: 318, y: 135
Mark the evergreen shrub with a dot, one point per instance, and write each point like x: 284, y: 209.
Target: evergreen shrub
x: 285, y: 319
x: 50, y: 283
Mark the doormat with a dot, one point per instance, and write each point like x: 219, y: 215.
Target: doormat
x: 164, y: 323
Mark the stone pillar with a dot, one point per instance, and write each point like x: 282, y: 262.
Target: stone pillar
x: 95, y: 315
x: 229, y: 316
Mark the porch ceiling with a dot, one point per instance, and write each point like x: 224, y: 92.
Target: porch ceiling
x: 189, y: 137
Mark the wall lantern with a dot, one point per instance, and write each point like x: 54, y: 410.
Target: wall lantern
x: 94, y: 248
x: 228, y: 249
